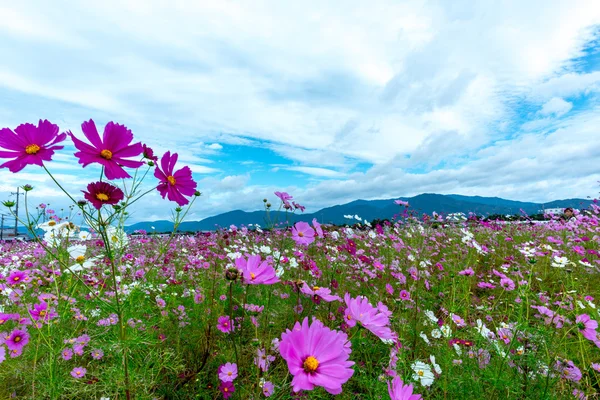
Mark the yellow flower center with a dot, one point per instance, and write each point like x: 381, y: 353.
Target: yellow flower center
x: 18, y: 339
x: 80, y: 259
x: 229, y: 373
x: 78, y: 372
x: 349, y: 317
x: 311, y: 364
x: 43, y: 313
x: 316, y: 288
x: 301, y: 234
x: 420, y: 373
x: 225, y: 389
x: 16, y: 279
x: 102, y: 196
x: 252, y: 275
x: 171, y: 180
x: 106, y: 154
x: 2, y: 321
x: 51, y: 223
x: 32, y: 149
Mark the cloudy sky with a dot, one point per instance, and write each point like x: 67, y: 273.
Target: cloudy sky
x: 330, y: 101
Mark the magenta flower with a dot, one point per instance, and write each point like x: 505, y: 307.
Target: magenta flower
x: 587, y: 326
x: 401, y: 203
x: 268, y: 388
x: 67, y: 354
x: 255, y: 272
x: 101, y: 193
x: 285, y: 198
x: 319, y: 293
x: 371, y: 318
x: 30, y: 145
x: 16, y: 277
x: 227, y: 389
x: 78, y: 372
x: 399, y: 391
x: 316, y: 356
x: 112, y: 151
x: 228, y: 372
x: 17, y: 339
x: 224, y: 324
x: 318, y: 228
x: 2, y: 354
x: 303, y: 234
x: 41, y: 312
x: 404, y: 295
x: 174, y: 184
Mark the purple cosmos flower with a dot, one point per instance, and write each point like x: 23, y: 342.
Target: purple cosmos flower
x: 263, y: 360
x: 174, y: 184
x: 67, y: 354
x: 399, y: 391
x: 507, y: 284
x: 227, y: 389
x: 316, y: 356
x: 228, y: 372
x: 404, y: 295
x: 318, y: 228
x: 285, y: 198
x: 101, y: 193
x: 303, y: 234
x: 30, y: 145
x: 401, y: 203
x: 17, y: 339
x: 97, y: 354
x: 320, y: 293
x: 587, y: 326
x: 41, y: 312
x: 360, y: 310
x: 568, y: 370
x: 268, y: 388
x: 224, y: 324
x: 256, y: 272
x: 16, y: 277
x: 78, y: 372
x: 2, y: 354
x: 112, y: 151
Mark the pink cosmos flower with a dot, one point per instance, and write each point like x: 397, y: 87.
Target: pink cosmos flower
x: 255, y: 272
x: 101, y: 193
x: 228, y: 372
x: 458, y: 321
x: 320, y: 293
x: 3, y: 354
x: 318, y: 228
x: 399, y: 391
x: 401, y: 203
x: 587, y: 326
x: 316, y: 356
x: 30, y: 145
x: 224, y: 324
x: 78, y: 372
x: 227, y: 389
x: 303, y: 234
x: 17, y: 339
x: 268, y: 388
x: 41, y: 312
x: 285, y: 198
x: 67, y: 354
x: 16, y: 277
x: 263, y: 360
x: 112, y: 151
x: 371, y: 318
x: 174, y: 185
x: 404, y: 295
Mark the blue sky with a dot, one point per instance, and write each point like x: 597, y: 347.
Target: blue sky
x: 330, y: 102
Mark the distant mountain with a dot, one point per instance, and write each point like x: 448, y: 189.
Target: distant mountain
x: 368, y: 210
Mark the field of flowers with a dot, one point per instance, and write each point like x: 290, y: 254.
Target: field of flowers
x: 401, y: 310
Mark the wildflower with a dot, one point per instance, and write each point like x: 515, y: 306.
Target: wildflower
x: 262, y: 360
x: 399, y: 391
x: 587, y: 326
x: 97, y: 354
x: 303, y: 234
x: 568, y: 370
x: 254, y: 272
x: 227, y: 389
x: 174, y: 185
x: 112, y: 151
x: 284, y: 197
x: 30, y: 145
x: 3, y: 354
x: 268, y: 388
x: 17, y: 339
x: 360, y: 310
x: 422, y: 373
x: 16, y: 277
x: 467, y: 272
x: 316, y: 356
x: 404, y: 295
x: 78, y: 372
x: 507, y: 284
x: 318, y: 229
x: 224, y: 324
x: 41, y: 312
x: 228, y: 372
x: 319, y: 293
x: 67, y: 354
x: 101, y: 193
x: 401, y: 203
x: 458, y: 321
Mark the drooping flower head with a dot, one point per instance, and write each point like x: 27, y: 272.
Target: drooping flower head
x: 375, y: 320
x: 174, y: 185
x: 101, y: 193
x: 399, y: 391
x: 316, y: 356
x: 256, y: 272
x: 30, y: 145
x: 113, y: 151
x: 319, y: 293
x: 303, y: 234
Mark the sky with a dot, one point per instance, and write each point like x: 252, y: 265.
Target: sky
x: 329, y: 101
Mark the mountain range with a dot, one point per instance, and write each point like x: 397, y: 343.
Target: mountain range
x: 368, y: 210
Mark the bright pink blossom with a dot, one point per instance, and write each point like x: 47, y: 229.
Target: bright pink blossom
x: 398, y: 391
x: 174, y: 185
x: 255, y: 272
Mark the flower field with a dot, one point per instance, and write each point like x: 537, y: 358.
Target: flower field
x: 403, y: 310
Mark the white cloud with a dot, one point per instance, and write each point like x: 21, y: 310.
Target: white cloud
x: 316, y: 171
x: 556, y: 106
x: 215, y: 146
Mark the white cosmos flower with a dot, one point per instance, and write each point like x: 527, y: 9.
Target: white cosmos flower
x: 436, y: 333
x: 117, y: 237
x: 77, y: 253
x: 85, y: 235
x: 436, y: 367
x: 424, y: 336
x: 423, y: 373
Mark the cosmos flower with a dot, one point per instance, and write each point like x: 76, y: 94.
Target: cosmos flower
x: 174, y: 185
x: 422, y: 373
x: 587, y: 326
x: 319, y: 292
x: 78, y: 372
x: 101, y: 193
x: 303, y: 234
x: 112, y: 151
x: 316, y: 356
x: 317, y: 227
x: 228, y: 372
x: 263, y: 360
x: 17, y: 339
x: 16, y: 278
x: 255, y: 272
x: 40, y: 311
x: 398, y: 391
x: 227, y: 389
x: 224, y: 324
x: 29, y: 144
x: 268, y: 388
x: 360, y: 310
